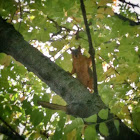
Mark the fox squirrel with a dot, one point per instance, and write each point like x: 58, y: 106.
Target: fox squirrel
x: 81, y: 66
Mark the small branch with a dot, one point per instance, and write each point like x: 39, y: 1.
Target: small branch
x: 52, y: 106
x: 129, y: 3
x: 103, y: 60
x: 91, y: 49
x: 110, y: 66
x: 13, y: 133
x: 131, y: 22
x: 97, y: 123
x: 59, y: 28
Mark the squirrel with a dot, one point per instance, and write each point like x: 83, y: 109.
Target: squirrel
x: 81, y: 66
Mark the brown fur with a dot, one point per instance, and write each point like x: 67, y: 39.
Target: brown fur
x: 81, y: 66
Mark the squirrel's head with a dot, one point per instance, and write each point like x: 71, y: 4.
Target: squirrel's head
x: 76, y: 53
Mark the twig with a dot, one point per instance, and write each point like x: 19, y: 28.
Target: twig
x: 131, y: 22
x: 109, y: 64
x: 97, y: 123
x: 91, y: 49
x: 59, y: 28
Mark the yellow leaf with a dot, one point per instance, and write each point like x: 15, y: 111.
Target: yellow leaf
x: 133, y: 77
x: 32, y: 17
x: 100, y: 10
x: 6, y: 59
x: 100, y: 16
x: 77, y: 19
x: 22, y: 98
x: 104, y: 2
x: 138, y: 84
x: 109, y: 11
x: 36, y: 135
x: 121, y: 78
x: 126, y: 111
x: 72, y: 135
x: 99, y: 23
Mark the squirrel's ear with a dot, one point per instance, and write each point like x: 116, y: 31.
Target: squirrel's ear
x: 79, y: 48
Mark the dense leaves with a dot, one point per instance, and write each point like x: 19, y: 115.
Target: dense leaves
x: 53, y: 27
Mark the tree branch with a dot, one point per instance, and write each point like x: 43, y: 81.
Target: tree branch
x: 131, y: 22
x: 52, y: 106
x: 11, y: 132
x: 58, y: 27
x: 129, y: 3
x: 80, y: 102
x: 91, y: 49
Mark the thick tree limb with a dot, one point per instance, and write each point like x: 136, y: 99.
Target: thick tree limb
x: 81, y: 103
x: 91, y: 49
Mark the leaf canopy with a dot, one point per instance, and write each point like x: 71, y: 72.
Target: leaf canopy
x: 53, y: 27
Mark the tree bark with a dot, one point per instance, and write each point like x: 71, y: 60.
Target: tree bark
x: 80, y: 102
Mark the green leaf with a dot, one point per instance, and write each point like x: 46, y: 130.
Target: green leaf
x: 20, y: 70
x: 103, y: 129
x: 8, y: 111
x: 58, y: 99
x: 75, y: 124
x: 66, y: 63
x: 48, y: 116
x: 36, y: 117
x: 103, y: 114
x: 5, y: 59
x: 117, y: 125
x: 90, y: 133
x: 59, y: 44
x: 92, y: 118
x: 136, y: 119
x: 35, y: 99
x: 106, y: 93
x: 27, y: 107
x: 59, y: 127
x: 79, y: 133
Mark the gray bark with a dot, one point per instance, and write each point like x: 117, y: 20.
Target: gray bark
x: 80, y: 102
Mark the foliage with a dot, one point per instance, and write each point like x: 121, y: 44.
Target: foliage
x: 53, y: 27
